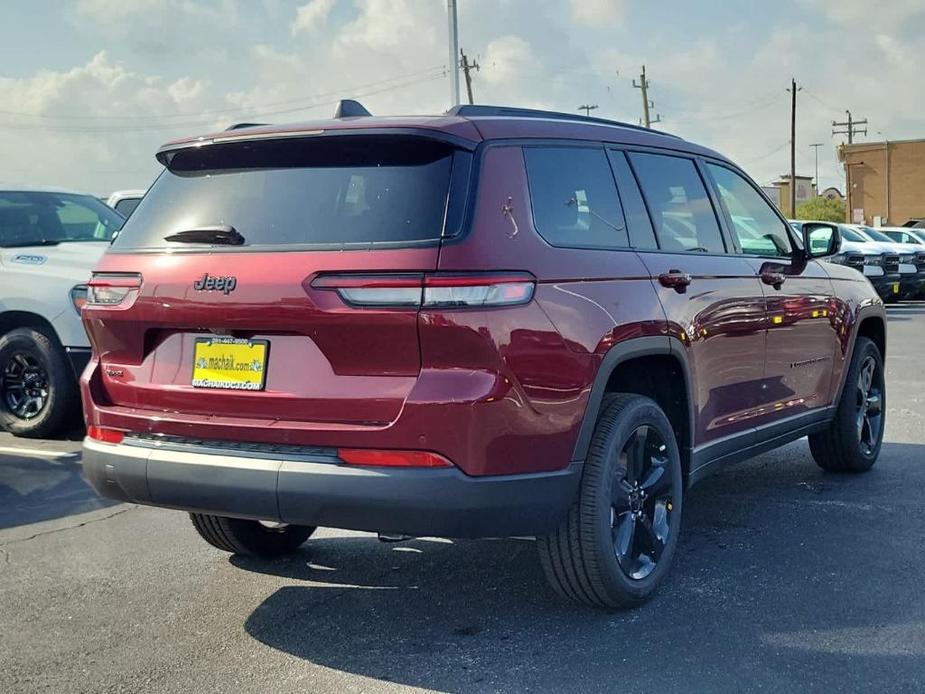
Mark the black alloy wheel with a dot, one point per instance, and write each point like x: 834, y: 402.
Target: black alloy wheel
x: 869, y: 400
x: 852, y: 440
x: 615, y: 546
x: 642, y: 503
x: 24, y: 386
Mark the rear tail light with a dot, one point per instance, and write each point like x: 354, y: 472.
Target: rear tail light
x: 469, y: 290
x: 105, y: 435
x: 106, y: 289
x: 376, y: 458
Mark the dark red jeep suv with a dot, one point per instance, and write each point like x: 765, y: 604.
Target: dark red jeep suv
x: 493, y: 322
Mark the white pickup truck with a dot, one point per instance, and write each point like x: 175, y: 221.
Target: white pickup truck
x: 49, y: 242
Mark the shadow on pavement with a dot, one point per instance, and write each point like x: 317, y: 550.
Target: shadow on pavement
x: 33, y: 489
x: 782, y: 570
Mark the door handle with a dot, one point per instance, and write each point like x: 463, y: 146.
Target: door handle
x: 775, y: 279
x: 675, y: 279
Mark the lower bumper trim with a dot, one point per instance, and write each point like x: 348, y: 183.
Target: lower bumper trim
x: 438, y: 502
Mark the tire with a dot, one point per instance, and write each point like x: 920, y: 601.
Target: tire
x: 852, y: 441
x: 250, y: 537
x: 31, y: 363
x: 580, y: 558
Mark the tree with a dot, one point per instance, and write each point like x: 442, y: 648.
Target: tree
x: 822, y: 210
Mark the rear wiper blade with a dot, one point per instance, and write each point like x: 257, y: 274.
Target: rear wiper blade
x: 220, y: 234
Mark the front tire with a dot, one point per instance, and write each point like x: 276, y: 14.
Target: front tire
x: 616, y: 544
x: 852, y: 441
x: 38, y: 391
x: 250, y: 537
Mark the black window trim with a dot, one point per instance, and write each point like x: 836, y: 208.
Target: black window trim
x: 574, y: 144
x: 727, y: 218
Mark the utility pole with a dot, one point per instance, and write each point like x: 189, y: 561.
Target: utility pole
x: 646, y: 104
x: 587, y: 108
x: 466, y: 67
x: 454, y: 49
x: 851, y: 128
x: 793, y: 146
x: 816, y: 146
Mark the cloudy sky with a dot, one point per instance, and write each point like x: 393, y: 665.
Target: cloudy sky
x: 90, y: 88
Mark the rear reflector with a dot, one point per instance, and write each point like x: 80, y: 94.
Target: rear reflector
x: 111, y: 289
x: 374, y: 458
x: 468, y: 290
x: 105, y: 435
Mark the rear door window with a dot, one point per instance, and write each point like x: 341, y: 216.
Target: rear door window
x: 678, y: 203
x: 338, y: 191
x: 574, y: 197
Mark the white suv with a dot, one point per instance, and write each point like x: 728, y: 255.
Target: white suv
x: 49, y: 241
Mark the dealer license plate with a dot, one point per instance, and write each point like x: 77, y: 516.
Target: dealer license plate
x: 230, y: 363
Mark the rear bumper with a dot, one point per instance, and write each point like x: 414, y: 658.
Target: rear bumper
x: 315, y: 489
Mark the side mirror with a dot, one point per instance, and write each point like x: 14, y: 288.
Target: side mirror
x: 820, y: 239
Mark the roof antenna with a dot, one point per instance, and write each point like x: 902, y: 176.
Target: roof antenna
x: 348, y: 108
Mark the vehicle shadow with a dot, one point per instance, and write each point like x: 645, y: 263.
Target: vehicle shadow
x: 34, y: 489
x: 781, y: 572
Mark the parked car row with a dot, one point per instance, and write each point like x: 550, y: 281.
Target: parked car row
x: 892, y: 258
x: 50, y: 240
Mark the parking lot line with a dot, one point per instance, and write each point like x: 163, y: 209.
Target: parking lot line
x: 39, y: 452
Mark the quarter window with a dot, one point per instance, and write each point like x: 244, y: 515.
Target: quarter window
x: 574, y: 197
x: 678, y: 203
x: 759, y: 230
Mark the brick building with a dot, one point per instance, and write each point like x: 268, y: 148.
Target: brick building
x: 885, y: 181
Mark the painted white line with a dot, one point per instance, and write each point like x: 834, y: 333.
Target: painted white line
x: 38, y: 452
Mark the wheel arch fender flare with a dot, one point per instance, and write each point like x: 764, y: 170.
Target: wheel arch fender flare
x: 875, y: 312
x: 619, y: 354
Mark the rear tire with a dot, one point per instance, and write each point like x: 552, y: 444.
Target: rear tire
x: 250, y: 537
x: 38, y: 391
x: 616, y: 544
x: 852, y: 441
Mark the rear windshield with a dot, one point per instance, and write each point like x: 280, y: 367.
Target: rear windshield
x: 335, y: 191
x: 47, y: 219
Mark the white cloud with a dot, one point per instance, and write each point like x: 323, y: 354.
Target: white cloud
x: 310, y: 16
x: 88, y: 127
x: 598, y: 13
x: 103, y: 117
x: 863, y: 14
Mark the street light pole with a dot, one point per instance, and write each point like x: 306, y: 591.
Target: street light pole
x: 454, y: 52
x: 816, y: 146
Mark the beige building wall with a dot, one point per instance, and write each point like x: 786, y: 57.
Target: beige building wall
x: 884, y: 179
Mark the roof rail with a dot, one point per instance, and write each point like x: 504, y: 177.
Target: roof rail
x: 469, y: 111
x: 238, y: 126
x: 348, y: 108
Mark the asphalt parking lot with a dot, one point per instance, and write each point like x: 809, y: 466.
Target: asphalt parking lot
x: 787, y: 580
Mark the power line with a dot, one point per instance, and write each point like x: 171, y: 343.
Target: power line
x: 223, y: 111
x: 793, y: 145
x: 587, y: 108
x: 646, y: 104
x: 467, y: 66
x: 851, y: 128
x: 196, y: 124
x: 765, y: 156
x: 726, y: 116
